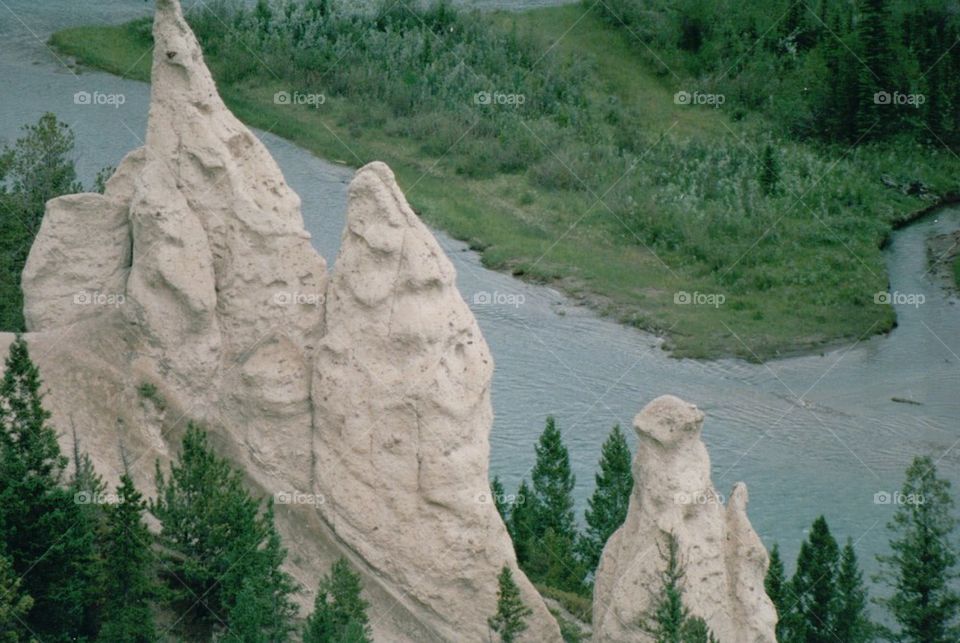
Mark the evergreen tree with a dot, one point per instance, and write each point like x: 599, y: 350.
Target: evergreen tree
x: 14, y: 605
x: 508, y: 622
x: 553, y: 482
x: 553, y: 561
x: 769, y: 174
x: 339, y: 612
x: 695, y: 630
x: 45, y: 532
x: 778, y: 590
x: 814, y: 588
x: 551, y: 512
x: 852, y: 624
x: 523, y: 523
x: 250, y: 620
x: 499, y: 497
x: 668, y: 614
x: 922, y: 567
x: 668, y: 620
x: 220, y: 538
x: 88, y: 529
x: 128, y: 555
x: 34, y: 170
x: 607, y: 508
x: 876, y: 51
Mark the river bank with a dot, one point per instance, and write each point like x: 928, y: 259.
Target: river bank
x: 805, y: 282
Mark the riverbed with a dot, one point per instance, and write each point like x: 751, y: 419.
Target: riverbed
x: 809, y: 435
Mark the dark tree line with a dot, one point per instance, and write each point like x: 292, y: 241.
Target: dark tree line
x: 841, y: 71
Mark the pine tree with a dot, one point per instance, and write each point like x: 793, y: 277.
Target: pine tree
x: 508, y: 622
x: 695, y: 630
x: 552, y: 512
x: 14, y: 605
x: 219, y: 538
x: 607, y: 508
x: 88, y: 528
x: 814, y: 588
x: 769, y: 174
x: 339, y: 612
x: 876, y: 51
x: 922, y: 567
x: 668, y: 614
x: 499, y: 497
x: 129, y: 559
x: 45, y: 531
x: 668, y: 620
x: 36, y: 169
x: 523, y: 523
x: 777, y: 589
x: 852, y: 624
x: 553, y: 482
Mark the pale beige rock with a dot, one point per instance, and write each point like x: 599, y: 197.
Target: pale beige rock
x: 725, y: 561
x: 372, y: 437
x: 402, y: 397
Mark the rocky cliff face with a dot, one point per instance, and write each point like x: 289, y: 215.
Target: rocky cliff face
x: 725, y: 561
x: 361, y: 402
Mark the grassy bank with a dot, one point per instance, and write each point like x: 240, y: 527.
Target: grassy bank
x: 653, y: 212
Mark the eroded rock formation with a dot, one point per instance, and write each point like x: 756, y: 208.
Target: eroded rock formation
x: 724, y: 560
x: 362, y: 402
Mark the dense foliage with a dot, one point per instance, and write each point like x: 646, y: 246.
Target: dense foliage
x: 339, y: 612
x: 509, y: 621
x: 224, y: 553
x: 78, y: 564
x: 841, y: 71
x: 47, y: 536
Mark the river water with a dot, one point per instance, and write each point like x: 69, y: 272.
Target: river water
x: 809, y: 435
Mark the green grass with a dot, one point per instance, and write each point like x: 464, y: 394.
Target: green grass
x: 581, y: 607
x: 956, y: 271
x: 801, y: 277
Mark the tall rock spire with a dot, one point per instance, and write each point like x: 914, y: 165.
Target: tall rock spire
x: 402, y: 399
x: 725, y: 562
x: 370, y: 394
